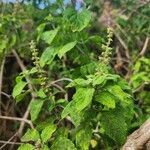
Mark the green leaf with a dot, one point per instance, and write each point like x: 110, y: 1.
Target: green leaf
x: 83, y: 137
x: 77, y: 20
x: 48, y: 55
x: 113, y: 122
x: 30, y: 135
x: 40, y: 30
x: 21, y: 96
x: 3, y: 45
x: 66, y: 48
x: 45, y: 147
x: 80, y: 20
x: 81, y: 99
x: 41, y: 93
x: 79, y: 82
x: 18, y: 88
x: 106, y: 98
x: 48, y: 36
x: 42, y: 125
x: 35, y: 108
x: 97, y: 80
x: 47, y: 132
x: 66, y: 110
x: 63, y: 143
x: 119, y: 93
x: 113, y: 77
x: 89, y: 68
x: 26, y: 147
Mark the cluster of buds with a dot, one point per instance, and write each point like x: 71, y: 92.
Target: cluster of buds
x: 107, y: 50
x: 36, y: 62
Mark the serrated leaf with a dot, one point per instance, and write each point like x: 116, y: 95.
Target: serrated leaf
x: 79, y: 82
x: 47, y: 132
x: 18, y: 88
x: 35, y: 108
x: 80, y: 20
x: 113, y: 122
x: 66, y: 48
x: 106, y: 98
x: 42, y: 125
x: 26, y: 147
x: 83, y: 137
x: 41, y: 93
x: 81, y: 99
x: 113, y: 77
x: 64, y: 143
x: 66, y: 110
x: 88, y: 68
x: 77, y: 20
x: 76, y: 117
x: 30, y: 135
x: 48, y: 36
x: 119, y: 93
x: 45, y: 147
x: 97, y: 80
x: 48, y: 55
x: 21, y: 96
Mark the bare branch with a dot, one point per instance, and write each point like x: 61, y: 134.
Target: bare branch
x: 13, y: 143
x: 17, y: 119
x: 123, y: 44
x: 62, y: 79
x: 144, y: 47
x: 1, y: 80
x: 9, y: 140
x: 26, y: 114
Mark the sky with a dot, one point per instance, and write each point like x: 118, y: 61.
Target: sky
x: 79, y: 3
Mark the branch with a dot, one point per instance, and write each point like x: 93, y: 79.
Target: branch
x: 1, y: 80
x: 123, y: 44
x: 144, y: 47
x: 26, y: 114
x: 17, y: 119
x: 9, y: 141
x: 138, y: 138
x: 62, y: 79
x: 6, y: 142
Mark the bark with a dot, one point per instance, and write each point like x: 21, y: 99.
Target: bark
x: 139, y: 139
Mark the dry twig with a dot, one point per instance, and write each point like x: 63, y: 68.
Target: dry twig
x: 7, y: 142
x: 17, y: 119
x: 1, y: 80
x: 144, y: 47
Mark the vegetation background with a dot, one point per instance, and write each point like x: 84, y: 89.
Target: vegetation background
x: 74, y: 75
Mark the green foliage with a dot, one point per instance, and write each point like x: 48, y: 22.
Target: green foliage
x: 81, y: 99
x: 106, y: 98
x: 83, y: 137
x: 30, y: 135
x: 77, y: 21
x: 62, y: 141
x: 47, y: 132
x: 26, y: 147
x: 66, y: 48
x: 35, y: 108
x: 114, y: 125
x: 18, y: 88
x: 76, y: 100
x: 49, y: 36
x: 48, y: 56
x: 97, y: 90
